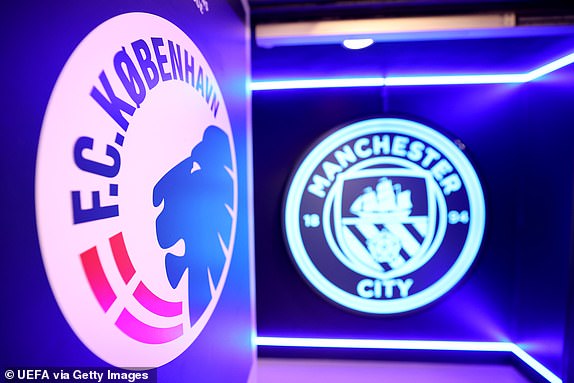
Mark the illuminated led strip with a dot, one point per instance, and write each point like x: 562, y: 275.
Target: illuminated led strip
x: 382, y: 344
x: 350, y: 82
x: 318, y: 83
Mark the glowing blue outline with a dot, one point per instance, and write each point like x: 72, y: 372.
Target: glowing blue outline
x: 373, y: 126
x: 350, y: 82
x: 429, y: 345
x: 507, y: 347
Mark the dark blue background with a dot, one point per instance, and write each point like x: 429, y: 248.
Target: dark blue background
x: 38, y: 38
x: 519, y: 138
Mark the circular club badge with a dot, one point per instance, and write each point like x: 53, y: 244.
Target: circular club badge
x: 384, y: 216
x: 136, y: 191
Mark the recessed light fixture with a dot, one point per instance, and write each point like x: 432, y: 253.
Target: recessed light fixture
x: 357, y: 43
x: 383, y: 29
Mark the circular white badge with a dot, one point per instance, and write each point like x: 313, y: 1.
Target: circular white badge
x: 384, y: 216
x: 136, y: 191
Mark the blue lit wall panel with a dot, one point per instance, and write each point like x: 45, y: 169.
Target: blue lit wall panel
x: 34, y: 331
x: 519, y: 140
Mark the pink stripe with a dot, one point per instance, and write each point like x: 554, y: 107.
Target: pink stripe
x: 134, y: 328
x: 97, y: 278
x: 122, y: 258
x: 155, y: 304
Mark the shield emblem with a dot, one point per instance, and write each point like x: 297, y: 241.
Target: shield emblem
x: 384, y: 220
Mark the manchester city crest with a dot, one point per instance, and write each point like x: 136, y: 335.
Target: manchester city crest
x: 384, y: 216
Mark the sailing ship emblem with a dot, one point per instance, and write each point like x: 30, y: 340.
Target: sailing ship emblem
x: 384, y: 220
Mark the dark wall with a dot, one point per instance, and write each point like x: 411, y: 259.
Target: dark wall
x: 519, y: 138
x: 569, y: 337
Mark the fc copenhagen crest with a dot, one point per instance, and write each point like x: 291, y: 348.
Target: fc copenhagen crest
x: 384, y: 216
x: 136, y: 191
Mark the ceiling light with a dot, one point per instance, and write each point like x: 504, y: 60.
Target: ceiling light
x: 357, y: 43
x: 382, y: 29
